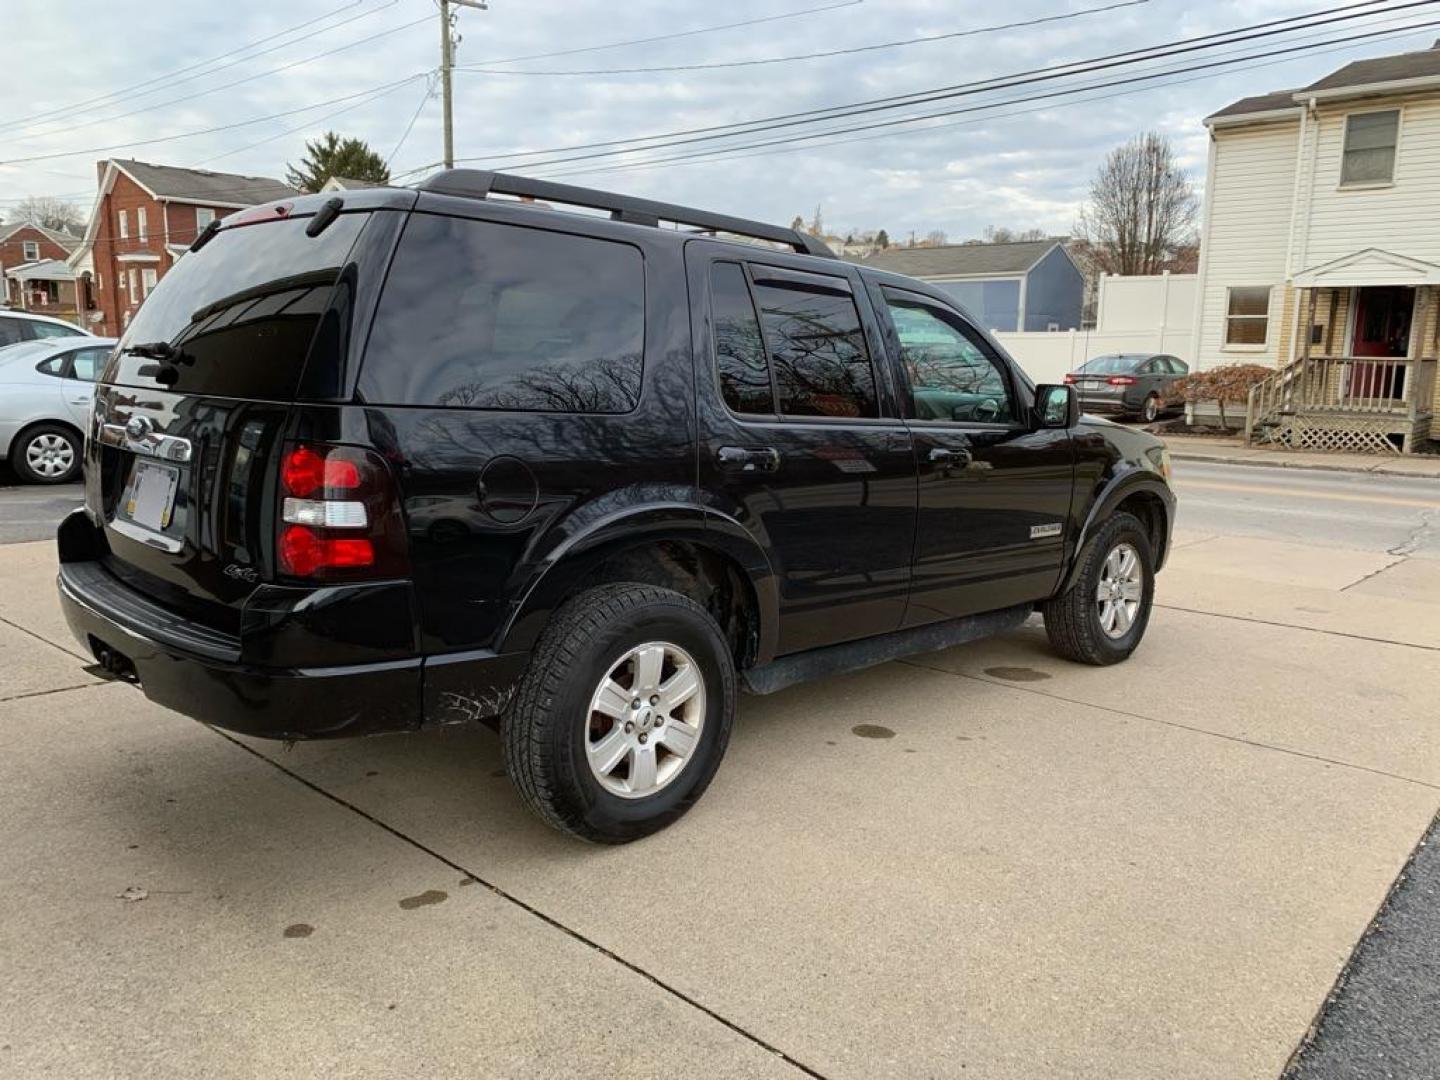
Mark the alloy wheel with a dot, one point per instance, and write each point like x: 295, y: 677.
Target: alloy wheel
x: 645, y: 717
x: 1120, y: 590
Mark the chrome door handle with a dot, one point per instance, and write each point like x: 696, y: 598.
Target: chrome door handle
x: 748, y: 458
x: 942, y: 456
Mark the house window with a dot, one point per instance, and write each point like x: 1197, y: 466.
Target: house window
x: 142, y: 224
x: 1370, y: 139
x: 147, y: 280
x: 134, y: 298
x: 124, y: 225
x: 1247, y: 315
x: 30, y: 250
x: 203, y: 216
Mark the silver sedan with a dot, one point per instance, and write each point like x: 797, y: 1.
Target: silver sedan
x: 46, y: 387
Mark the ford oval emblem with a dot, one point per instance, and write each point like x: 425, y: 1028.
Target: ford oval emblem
x: 139, y: 426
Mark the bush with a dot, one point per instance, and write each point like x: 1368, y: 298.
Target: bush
x: 1230, y: 382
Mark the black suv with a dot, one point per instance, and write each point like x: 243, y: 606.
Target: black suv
x: 412, y: 457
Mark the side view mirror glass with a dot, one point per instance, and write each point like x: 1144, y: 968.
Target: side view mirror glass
x: 1056, y: 406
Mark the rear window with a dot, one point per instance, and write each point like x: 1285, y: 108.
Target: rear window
x: 1112, y: 365
x: 478, y: 315
x: 243, y: 310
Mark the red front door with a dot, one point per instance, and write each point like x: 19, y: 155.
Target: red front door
x: 1382, y: 329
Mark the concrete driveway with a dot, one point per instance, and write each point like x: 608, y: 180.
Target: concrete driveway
x: 985, y: 862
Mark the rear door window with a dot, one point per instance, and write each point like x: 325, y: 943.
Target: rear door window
x: 816, y: 345
x: 85, y: 364
x: 242, y: 310
x: 480, y: 315
x: 740, y: 362
x: 10, y: 332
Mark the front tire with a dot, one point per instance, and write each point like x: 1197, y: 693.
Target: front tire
x: 47, y: 454
x: 623, y: 715
x: 1102, y: 617
x: 1150, y: 410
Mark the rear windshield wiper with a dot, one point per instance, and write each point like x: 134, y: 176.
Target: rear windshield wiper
x: 160, y: 350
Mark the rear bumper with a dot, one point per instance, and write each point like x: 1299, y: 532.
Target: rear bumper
x: 1106, y: 403
x: 216, y: 678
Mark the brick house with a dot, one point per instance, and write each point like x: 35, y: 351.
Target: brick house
x: 23, y: 242
x: 145, y: 217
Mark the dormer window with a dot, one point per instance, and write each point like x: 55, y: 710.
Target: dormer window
x: 1370, y: 139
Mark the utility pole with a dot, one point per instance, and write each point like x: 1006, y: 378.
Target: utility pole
x: 448, y: 41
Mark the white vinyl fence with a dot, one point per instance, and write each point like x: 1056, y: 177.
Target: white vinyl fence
x: 1152, y: 313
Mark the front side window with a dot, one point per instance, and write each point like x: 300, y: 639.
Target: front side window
x: 1247, y: 315
x: 951, y: 375
x: 817, y: 348
x: 1370, y: 140
x: 480, y: 315
x: 740, y: 361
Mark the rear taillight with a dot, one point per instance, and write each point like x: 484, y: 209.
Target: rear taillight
x: 1120, y: 380
x: 1069, y: 380
x: 339, y: 515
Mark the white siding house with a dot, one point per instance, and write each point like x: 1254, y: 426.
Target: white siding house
x: 1320, y: 253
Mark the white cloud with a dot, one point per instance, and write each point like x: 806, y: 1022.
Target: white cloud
x: 1031, y: 168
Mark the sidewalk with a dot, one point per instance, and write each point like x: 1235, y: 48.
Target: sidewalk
x: 1233, y: 451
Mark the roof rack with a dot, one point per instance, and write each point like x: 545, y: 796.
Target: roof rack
x: 479, y: 183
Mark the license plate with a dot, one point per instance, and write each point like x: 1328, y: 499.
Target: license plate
x: 151, y: 499
x: 1089, y: 384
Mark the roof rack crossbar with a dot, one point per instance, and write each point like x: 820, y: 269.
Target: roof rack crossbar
x: 480, y: 183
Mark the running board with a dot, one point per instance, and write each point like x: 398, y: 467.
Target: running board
x: 859, y: 655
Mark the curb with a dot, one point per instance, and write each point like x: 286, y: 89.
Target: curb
x: 1318, y: 466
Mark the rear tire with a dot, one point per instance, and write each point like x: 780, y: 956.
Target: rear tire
x: 47, y: 454
x: 1150, y: 410
x: 568, y: 748
x: 1102, y: 617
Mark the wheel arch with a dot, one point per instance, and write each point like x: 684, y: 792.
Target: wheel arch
x: 1133, y: 491
x: 696, y: 552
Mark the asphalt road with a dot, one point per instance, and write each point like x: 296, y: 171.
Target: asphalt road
x: 31, y: 511
x: 1399, y: 515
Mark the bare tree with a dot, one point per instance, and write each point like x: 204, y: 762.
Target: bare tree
x: 1142, y: 210
x: 934, y: 238
x: 48, y: 212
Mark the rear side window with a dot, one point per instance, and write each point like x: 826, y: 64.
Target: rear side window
x: 242, y: 310
x: 817, y: 349
x: 85, y: 363
x: 485, y: 316
x: 739, y: 349
x: 10, y: 332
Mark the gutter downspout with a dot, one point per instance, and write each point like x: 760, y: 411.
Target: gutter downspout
x: 1197, y: 330
x: 1299, y: 245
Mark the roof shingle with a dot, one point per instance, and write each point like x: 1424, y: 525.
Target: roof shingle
x: 201, y: 185
x: 948, y: 259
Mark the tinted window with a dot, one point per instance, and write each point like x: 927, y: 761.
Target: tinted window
x: 54, y: 365
x: 86, y: 363
x: 243, y: 308
x: 45, y: 329
x: 1178, y: 366
x: 951, y: 376
x: 817, y: 350
x: 10, y: 332
x: 1118, y: 364
x: 484, y: 316
x: 739, y: 350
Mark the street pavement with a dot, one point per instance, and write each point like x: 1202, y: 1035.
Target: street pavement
x: 1046, y: 870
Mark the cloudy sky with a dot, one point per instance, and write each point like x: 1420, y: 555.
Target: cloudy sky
x: 148, y: 82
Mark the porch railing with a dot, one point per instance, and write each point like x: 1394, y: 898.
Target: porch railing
x: 1402, y: 387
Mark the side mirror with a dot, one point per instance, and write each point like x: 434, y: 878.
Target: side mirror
x: 1056, y: 406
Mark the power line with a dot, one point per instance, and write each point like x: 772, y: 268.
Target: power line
x: 1020, y: 24
x: 838, y: 112
x: 733, y: 154
x: 185, y: 99
x: 211, y: 130
x: 424, y: 97
x: 674, y: 36
x: 190, y: 67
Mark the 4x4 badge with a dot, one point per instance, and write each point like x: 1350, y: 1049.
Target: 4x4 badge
x: 1039, y: 532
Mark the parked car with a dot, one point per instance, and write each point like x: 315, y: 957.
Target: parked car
x: 17, y: 326
x: 45, y: 390
x: 681, y: 462
x: 1134, y: 384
